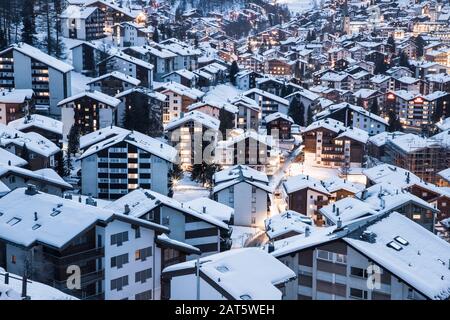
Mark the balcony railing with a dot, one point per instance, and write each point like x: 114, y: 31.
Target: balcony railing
x: 76, y: 257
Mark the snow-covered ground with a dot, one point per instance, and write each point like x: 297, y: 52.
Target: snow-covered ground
x: 298, y: 6
x: 187, y: 190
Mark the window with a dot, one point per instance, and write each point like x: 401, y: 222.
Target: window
x: 137, y: 232
x: 119, y: 238
x: 358, y: 272
x: 119, y: 283
x: 12, y: 179
x: 119, y: 261
x: 253, y: 220
x: 146, y: 295
x: 13, y: 259
x: 401, y: 240
x: 394, y: 246
x: 142, y: 276
x: 166, y: 221
x: 358, y: 293
x: 417, y: 216
x: 143, y: 254
x: 14, y: 221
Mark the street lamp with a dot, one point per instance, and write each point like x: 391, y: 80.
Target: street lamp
x: 198, y: 265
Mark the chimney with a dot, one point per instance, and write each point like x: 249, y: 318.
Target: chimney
x: 307, y: 232
x: 24, y: 286
x: 35, y: 216
x: 7, y: 278
x: 334, y: 207
x: 307, y: 177
x: 31, y: 190
x: 337, y: 212
x: 127, y: 209
x: 9, y: 162
x: 271, y: 247
x: 204, y: 209
x: 339, y: 223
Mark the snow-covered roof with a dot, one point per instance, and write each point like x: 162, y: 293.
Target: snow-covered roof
x: 40, y: 56
x: 58, y: 222
x: 408, y: 80
x: 46, y: 175
x: 197, y: 117
x: 7, y: 157
x: 240, y: 173
x: 347, y: 209
x: 77, y: 12
x: 35, y: 290
x: 380, y: 78
x: 140, y: 140
x: 355, y: 134
x: 34, y: 141
x: 443, y: 124
x: 130, y: 59
x: 141, y: 201
x: 118, y: 75
x: 334, y: 184
x: 126, y: 11
x: 445, y: 174
x: 360, y: 110
x: 207, y: 206
x: 38, y: 121
x: 149, y: 92
x: 267, y: 95
x: 287, y: 222
x: 215, y: 104
x: 277, y: 115
x: 381, y: 138
x: 180, y: 89
x: 420, y: 260
x: 245, y: 274
x: 166, y: 241
x: 364, y: 93
x: 96, y: 95
x: 411, y: 142
x: 15, y: 95
x: 182, y: 73
x: 100, y: 135
x: 299, y: 182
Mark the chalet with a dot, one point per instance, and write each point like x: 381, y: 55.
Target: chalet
x: 83, y: 23
x: 268, y: 102
x: 14, y: 104
x: 279, y: 124
x: 247, y: 191
x: 47, y: 127
x: 89, y: 110
x: 113, y: 83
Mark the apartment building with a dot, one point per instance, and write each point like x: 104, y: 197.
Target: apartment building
x: 341, y: 262
x: 247, y: 191
x: 26, y: 67
x: 186, y: 225
x: 128, y: 34
x: 335, y: 145
x: 47, y: 127
x: 117, y: 165
x: 82, y: 23
x: 89, y: 110
x: 14, y: 104
x: 49, y: 238
x: 194, y: 136
x: 249, y: 114
x: 113, y: 83
x: 268, y: 102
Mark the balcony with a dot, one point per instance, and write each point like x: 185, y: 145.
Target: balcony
x: 86, y: 279
x: 321, y: 203
x: 76, y: 257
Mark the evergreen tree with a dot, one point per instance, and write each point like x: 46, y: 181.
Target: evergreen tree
x: 73, y: 145
x: 420, y: 44
x: 438, y: 111
x: 175, y: 175
x: 374, y: 107
x: 226, y: 121
x: 380, y: 65
x: 68, y: 167
x: 234, y: 69
x: 28, y: 22
x: 391, y: 43
x: 404, y: 60
x: 141, y: 116
x: 25, y: 155
x: 394, y: 122
x: 203, y: 173
x: 155, y: 36
x: 360, y: 102
x: 309, y: 117
x: 297, y: 111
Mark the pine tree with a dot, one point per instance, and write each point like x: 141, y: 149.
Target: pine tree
x: 203, y: 173
x: 155, y: 36
x: 226, y: 121
x: 297, y: 111
x: 175, y: 175
x: 360, y: 102
x: 438, y: 111
x: 404, y: 60
x: 420, y: 44
x: 374, y: 107
x: 391, y: 43
x: 73, y: 139
x: 234, y: 69
x: 68, y: 167
x: 309, y: 117
x: 394, y: 122
x: 28, y: 22
x: 25, y: 155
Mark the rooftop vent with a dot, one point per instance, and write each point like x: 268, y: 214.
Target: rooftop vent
x: 126, y: 209
x: 222, y: 269
x: 369, y: 236
x: 31, y: 190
